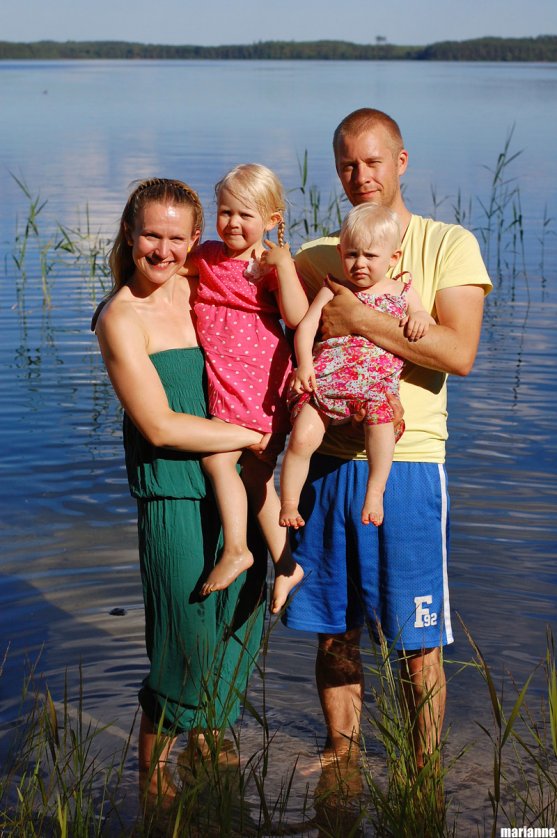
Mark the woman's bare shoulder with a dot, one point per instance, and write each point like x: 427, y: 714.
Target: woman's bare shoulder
x: 119, y: 321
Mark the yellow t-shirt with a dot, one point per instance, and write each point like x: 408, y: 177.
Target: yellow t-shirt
x: 438, y: 256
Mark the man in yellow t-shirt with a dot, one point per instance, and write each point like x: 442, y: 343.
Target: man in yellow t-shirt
x: 395, y: 576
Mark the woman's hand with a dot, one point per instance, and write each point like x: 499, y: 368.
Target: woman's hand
x: 269, y: 448
x: 259, y: 447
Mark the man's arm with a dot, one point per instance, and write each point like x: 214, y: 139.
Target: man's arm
x: 450, y: 345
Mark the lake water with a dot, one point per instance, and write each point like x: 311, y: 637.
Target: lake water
x: 78, y: 134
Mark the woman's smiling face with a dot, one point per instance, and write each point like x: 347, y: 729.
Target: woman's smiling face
x: 160, y: 240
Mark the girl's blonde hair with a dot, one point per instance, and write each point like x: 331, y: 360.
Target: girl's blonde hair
x: 151, y: 191
x: 372, y: 224
x: 259, y: 187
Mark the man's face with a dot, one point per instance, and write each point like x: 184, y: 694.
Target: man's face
x: 369, y: 167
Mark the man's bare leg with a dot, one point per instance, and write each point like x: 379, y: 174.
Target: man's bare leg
x: 340, y: 683
x: 425, y: 689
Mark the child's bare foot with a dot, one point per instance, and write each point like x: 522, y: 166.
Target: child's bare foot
x: 372, y: 512
x: 226, y: 570
x: 284, y: 582
x: 289, y: 515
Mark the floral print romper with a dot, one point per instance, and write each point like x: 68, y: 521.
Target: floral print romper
x: 353, y: 373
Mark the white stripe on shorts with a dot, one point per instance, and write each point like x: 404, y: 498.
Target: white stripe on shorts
x: 446, y: 601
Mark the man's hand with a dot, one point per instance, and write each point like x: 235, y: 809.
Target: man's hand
x: 338, y: 317
x: 398, y: 413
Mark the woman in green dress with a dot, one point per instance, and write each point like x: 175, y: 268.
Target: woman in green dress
x: 201, y: 650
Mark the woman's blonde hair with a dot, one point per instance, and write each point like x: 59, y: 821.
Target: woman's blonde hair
x: 150, y: 191
x: 372, y: 224
x: 259, y: 187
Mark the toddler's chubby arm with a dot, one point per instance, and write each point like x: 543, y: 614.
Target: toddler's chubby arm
x: 291, y: 297
x: 303, y: 380
x: 417, y: 320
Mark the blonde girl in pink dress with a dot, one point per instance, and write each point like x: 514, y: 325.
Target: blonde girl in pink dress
x: 247, y: 285
x: 351, y: 376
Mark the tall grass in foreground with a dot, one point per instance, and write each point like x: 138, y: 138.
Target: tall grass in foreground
x: 60, y: 781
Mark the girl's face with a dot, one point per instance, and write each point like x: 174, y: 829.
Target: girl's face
x: 366, y: 265
x: 241, y: 226
x: 160, y: 240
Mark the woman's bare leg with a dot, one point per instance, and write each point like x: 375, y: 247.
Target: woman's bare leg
x: 307, y: 433
x: 232, y: 504
x: 258, y: 477
x: 380, y: 446
x: 153, y: 752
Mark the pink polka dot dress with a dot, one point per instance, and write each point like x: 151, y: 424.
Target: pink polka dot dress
x: 247, y: 356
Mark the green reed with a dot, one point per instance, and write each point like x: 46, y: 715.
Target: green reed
x: 56, y: 781
x: 496, y: 218
x: 79, y: 248
x: 309, y: 216
x: 89, y: 249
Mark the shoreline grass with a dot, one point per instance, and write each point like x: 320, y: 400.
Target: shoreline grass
x: 62, y: 780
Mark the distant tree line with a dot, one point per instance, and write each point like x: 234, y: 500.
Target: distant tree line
x: 542, y: 48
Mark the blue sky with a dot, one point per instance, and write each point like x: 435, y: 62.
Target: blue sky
x: 246, y: 21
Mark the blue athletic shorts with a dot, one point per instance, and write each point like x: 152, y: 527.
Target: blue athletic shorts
x: 394, y: 575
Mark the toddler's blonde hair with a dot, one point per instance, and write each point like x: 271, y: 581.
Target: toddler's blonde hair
x: 372, y: 224
x: 259, y: 187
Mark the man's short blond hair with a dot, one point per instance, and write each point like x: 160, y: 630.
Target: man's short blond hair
x: 365, y: 119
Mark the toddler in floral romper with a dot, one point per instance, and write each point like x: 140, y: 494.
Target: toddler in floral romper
x: 349, y: 375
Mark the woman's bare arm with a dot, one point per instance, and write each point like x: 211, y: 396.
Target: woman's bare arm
x: 123, y: 345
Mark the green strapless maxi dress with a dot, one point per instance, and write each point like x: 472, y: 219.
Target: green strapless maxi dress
x: 201, y: 651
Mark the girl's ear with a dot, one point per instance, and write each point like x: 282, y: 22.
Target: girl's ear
x: 127, y: 235
x: 395, y: 257
x: 273, y: 220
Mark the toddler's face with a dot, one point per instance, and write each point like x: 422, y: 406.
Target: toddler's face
x: 366, y: 263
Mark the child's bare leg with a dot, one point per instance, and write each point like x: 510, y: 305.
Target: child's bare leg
x: 306, y: 437
x: 232, y: 504
x: 380, y: 446
x: 260, y: 485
